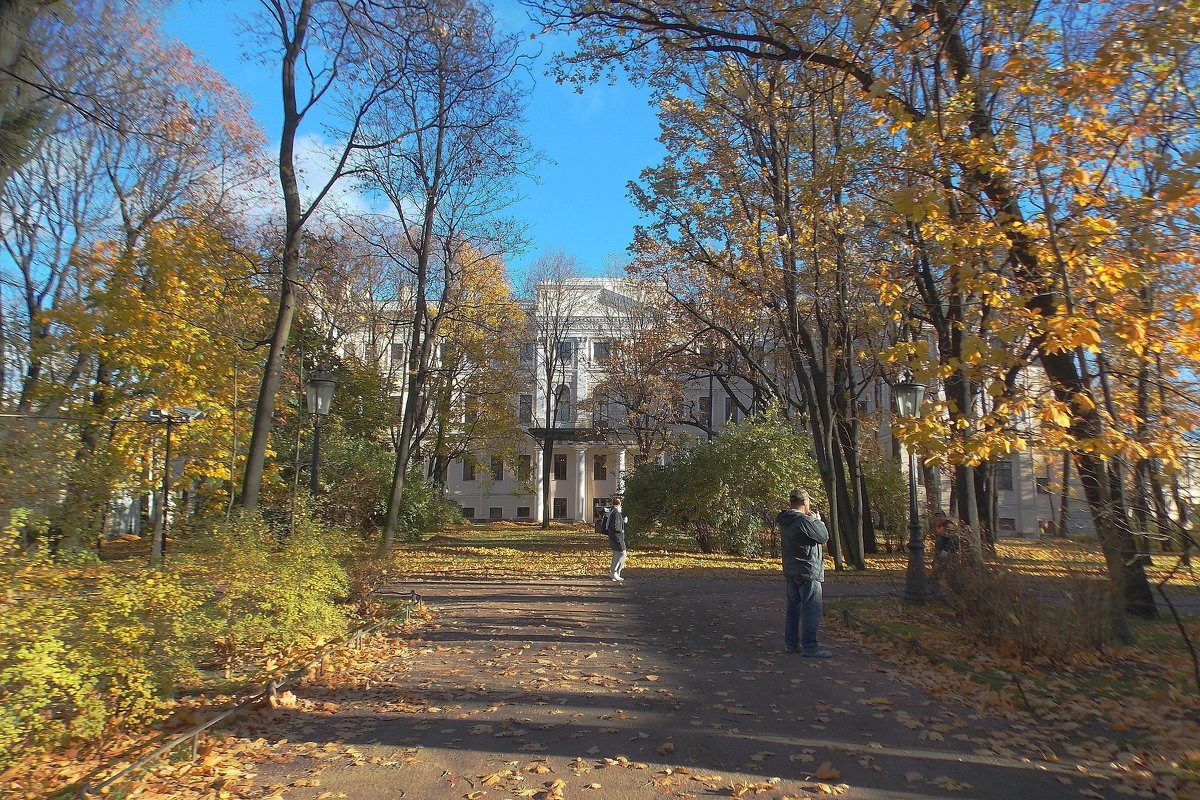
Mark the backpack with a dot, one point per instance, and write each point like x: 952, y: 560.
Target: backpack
x: 602, y: 524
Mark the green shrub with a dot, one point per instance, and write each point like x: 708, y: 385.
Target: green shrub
x: 356, y: 477
x: 84, y: 646
x: 424, y: 508
x: 726, y: 493
x: 277, y: 591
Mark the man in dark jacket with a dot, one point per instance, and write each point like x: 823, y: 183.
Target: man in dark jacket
x: 616, y: 538
x: 801, y: 534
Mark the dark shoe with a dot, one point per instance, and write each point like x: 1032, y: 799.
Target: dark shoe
x: 791, y: 649
x: 817, y: 654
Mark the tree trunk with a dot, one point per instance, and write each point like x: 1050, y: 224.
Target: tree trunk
x: 1064, y: 503
x: 264, y: 411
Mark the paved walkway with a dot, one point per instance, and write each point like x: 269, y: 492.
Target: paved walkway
x: 673, y: 688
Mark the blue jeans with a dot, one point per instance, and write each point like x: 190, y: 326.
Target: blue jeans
x: 803, y: 615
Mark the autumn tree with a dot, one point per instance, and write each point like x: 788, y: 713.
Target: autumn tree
x: 642, y: 391
x: 93, y: 189
x: 761, y: 234
x: 552, y: 303
x: 332, y: 58
x: 451, y: 147
x: 995, y: 82
x: 477, y: 376
x: 171, y: 319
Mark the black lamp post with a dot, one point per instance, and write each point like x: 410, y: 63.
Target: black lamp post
x: 168, y: 417
x: 907, y: 398
x: 318, y: 392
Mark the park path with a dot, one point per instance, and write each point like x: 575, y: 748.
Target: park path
x: 581, y: 688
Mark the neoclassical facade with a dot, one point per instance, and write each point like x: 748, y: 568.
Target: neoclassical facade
x: 590, y: 458
x: 580, y: 320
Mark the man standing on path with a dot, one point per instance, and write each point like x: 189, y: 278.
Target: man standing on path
x: 801, y: 535
x: 616, y: 538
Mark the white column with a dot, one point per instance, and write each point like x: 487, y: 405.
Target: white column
x: 620, y: 484
x: 580, y: 484
x: 538, y: 484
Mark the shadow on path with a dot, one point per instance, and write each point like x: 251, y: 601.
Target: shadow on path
x: 656, y: 688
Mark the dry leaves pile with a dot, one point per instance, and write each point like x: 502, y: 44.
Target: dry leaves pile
x: 1129, y: 712
x: 225, y: 760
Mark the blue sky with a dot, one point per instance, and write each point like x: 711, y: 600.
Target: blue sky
x: 593, y: 142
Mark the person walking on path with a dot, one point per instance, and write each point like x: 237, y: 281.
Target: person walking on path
x: 801, y: 534
x: 616, y: 538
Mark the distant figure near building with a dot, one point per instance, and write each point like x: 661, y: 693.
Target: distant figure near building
x: 616, y: 538
x: 801, y: 535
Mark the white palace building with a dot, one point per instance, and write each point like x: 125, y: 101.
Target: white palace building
x: 589, y: 461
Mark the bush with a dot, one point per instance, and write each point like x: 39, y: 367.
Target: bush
x: 726, y: 493
x: 84, y: 646
x: 1001, y: 608
x: 277, y: 591
x: 424, y: 508
x: 356, y: 480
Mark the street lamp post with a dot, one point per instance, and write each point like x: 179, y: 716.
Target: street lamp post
x: 168, y: 417
x: 318, y: 392
x: 907, y: 398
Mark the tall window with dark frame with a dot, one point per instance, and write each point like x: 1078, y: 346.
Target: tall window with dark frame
x: 560, y: 467
x: 706, y: 410
x: 601, y: 352
x: 600, y: 467
x: 524, y: 467
x: 497, y: 468
x: 731, y: 409
x: 468, y: 471
x: 563, y: 412
x: 1004, y: 474
x: 600, y: 410
x: 525, y: 408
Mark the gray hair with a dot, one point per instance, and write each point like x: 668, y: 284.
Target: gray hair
x: 799, y: 496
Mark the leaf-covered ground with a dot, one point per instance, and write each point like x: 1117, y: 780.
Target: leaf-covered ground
x: 535, y: 677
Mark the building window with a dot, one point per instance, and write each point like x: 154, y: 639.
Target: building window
x: 562, y: 409
x: 495, y: 513
x: 468, y: 471
x: 524, y: 467
x: 497, y: 468
x: 566, y: 349
x: 1004, y: 475
x: 523, y: 512
x: 397, y: 354
x: 600, y: 410
x: 601, y: 351
x: 1043, y: 486
x: 706, y: 409
x: 1006, y: 524
x: 600, y: 505
x: 600, y: 467
x: 468, y: 512
x: 525, y: 408
x: 731, y: 410
x: 560, y: 508
x: 560, y: 467
x: 527, y: 352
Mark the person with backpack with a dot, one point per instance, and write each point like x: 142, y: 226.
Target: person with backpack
x: 614, y: 526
